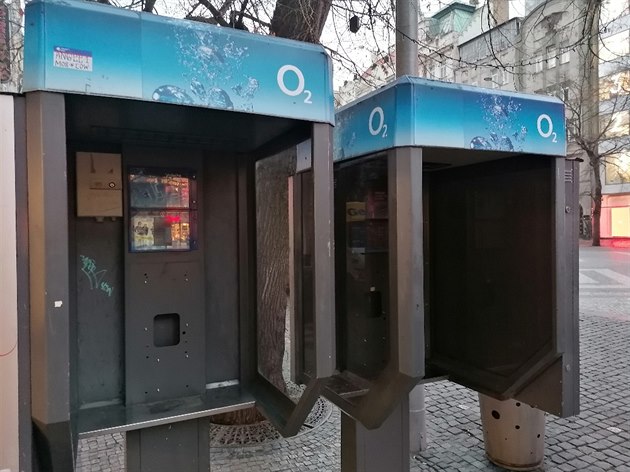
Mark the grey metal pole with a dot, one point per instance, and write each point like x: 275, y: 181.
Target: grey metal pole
x: 407, y: 64
x: 406, y: 37
x: 417, y: 420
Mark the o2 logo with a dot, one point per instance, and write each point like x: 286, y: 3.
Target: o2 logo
x: 299, y: 90
x: 545, y: 128
x: 376, y: 123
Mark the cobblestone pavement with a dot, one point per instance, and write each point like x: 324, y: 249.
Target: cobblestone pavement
x: 598, y: 439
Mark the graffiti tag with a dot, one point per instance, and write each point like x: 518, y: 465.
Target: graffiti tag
x: 95, y: 276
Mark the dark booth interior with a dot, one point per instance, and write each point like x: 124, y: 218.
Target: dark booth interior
x: 489, y: 257
x: 160, y: 251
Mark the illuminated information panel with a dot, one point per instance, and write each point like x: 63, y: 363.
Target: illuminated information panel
x: 163, y: 211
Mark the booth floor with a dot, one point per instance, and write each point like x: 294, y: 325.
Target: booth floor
x: 596, y: 440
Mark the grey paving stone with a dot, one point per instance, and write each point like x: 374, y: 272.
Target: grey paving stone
x: 579, y: 444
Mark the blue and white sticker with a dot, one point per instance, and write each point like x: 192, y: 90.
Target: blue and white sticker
x: 66, y: 58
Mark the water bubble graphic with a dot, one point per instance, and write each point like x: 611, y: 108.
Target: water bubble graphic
x: 496, y: 142
x: 218, y: 98
x: 479, y: 142
x: 212, y: 64
x: 505, y: 144
x: 171, y: 94
x: 209, y: 53
x: 498, y: 111
x: 501, y: 116
x: 198, y: 88
x: 520, y: 135
x: 247, y: 89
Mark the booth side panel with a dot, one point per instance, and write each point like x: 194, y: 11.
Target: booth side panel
x: 323, y: 250
x: 9, y: 360
x: 303, y: 274
x: 221, y: 230
x: 246, y: 269
x: 24, y: 345
x: 572, y: 323
x: 49, y: 279
x: 556, y: 389
x: 406, y: 259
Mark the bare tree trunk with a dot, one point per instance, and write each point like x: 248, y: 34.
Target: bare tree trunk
x: 300, y: 19
x: 590, y: 96
x: 272, y: 246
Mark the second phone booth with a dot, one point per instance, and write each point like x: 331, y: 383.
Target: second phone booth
x: 143, y: 135
x: 455, y: 252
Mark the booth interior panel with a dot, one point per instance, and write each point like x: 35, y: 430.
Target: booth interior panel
x: 222, y: 269
x: 487, y: 221
x: 99, y: 310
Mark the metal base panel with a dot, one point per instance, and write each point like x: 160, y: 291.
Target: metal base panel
x: 376, y: 450
x: 178, y: 446
x: 116, y: 418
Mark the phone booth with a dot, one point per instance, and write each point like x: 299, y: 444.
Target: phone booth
x: 142, y: 137
x: 456, y: 255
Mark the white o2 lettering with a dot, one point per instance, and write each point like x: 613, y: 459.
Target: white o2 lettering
x: 382, y: 127
x: 300, y: 85
x: 549, y: 132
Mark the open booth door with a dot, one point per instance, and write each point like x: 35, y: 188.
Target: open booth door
x: 501, y: 289
x: 285, y: 403
x: 378, y: 282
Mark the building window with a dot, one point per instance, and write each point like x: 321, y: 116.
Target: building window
x: 443, y: 71
x: 614, y: 86
x: 494, y: 80
x: 615, y: 125
x: 504, y: 77
x: 613, y: 9
x: 436, y: 71
x: 615, y: 47
x: 572, y: 130
x: 565, y: 56
x: 551, y: 57
x: 538, y: 64
x: 618, y: 168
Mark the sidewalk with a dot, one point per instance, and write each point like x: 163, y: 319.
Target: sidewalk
x: 596, y: 440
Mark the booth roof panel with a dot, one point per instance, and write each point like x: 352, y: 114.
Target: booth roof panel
x: 93, y: 49
x: 426, y: 113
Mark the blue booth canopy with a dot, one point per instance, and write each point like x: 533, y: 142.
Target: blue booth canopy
x: 425, y: 113
x: 93, y: 49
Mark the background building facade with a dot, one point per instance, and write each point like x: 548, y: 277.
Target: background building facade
x: 543, y: 50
